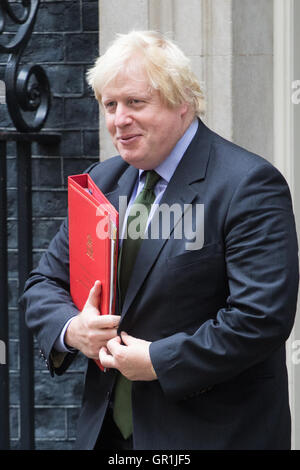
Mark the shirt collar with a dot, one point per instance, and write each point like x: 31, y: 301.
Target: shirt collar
x: 167, y: 168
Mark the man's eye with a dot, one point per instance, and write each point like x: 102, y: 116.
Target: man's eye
x: 134, y: 101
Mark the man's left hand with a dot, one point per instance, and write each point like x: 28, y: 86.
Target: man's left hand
x: 132, y: 358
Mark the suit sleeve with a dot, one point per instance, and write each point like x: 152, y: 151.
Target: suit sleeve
x: 261, y: 255
x: 46, y: 300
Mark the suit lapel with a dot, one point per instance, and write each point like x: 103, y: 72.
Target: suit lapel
x: 124, y: 188
x: 192, y: 168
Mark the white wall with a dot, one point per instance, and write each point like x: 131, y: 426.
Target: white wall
x: 286, y: 150
x: 252, y: 75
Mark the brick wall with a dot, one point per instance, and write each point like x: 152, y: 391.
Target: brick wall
x: 65, y: 42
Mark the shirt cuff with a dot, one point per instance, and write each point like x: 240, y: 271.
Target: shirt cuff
x: 59, y: 344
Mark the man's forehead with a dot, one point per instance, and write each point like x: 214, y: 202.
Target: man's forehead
x: 127, y: 83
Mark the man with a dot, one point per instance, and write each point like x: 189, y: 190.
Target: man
x: 200, y: 328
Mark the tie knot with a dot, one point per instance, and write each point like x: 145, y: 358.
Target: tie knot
x: 151, y: 179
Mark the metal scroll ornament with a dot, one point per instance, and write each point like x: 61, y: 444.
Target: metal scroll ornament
x: 27, y: 86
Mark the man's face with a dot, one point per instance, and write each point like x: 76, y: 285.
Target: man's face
x: 143, y: 129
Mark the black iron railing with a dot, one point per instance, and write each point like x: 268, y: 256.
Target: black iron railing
x: 27, y: 86
x: 28, y: 104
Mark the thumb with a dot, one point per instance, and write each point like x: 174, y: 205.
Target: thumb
x: 126, y: 338
x: 94, y: 295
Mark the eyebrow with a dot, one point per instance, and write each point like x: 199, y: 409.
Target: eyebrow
x: 148, y: 93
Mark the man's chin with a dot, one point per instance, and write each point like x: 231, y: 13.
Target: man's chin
x: 138, y: 161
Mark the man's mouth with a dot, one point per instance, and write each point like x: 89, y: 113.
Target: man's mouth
x: 128, y: 138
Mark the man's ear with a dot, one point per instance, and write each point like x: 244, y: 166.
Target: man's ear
x: 184, y: 108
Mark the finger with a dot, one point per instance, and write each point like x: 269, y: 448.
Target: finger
x: 114, y: 345
x: 127, y: 339
x: 106, y: 334
x: 104, y: 322
x: 94, y: 295
x: 108, y: 321
x: 106, y: 359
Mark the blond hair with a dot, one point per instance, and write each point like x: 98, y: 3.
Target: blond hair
x: 167, y: 68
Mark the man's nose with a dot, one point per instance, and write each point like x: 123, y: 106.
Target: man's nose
x: 122, y: 116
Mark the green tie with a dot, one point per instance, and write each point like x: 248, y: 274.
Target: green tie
x: 130, y: 247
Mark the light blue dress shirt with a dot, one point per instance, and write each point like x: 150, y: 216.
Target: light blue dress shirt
x: 166, y: 170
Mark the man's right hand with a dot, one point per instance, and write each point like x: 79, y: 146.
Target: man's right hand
x: 89, y: 330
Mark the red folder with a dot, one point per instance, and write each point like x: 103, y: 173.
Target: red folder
x: 93, y: 243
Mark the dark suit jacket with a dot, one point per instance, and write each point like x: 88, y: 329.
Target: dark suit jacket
x: 218, y: 317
